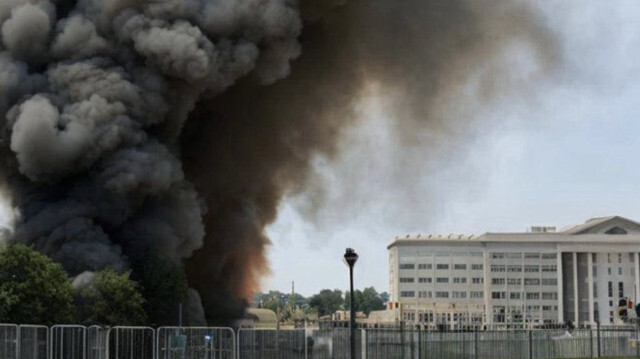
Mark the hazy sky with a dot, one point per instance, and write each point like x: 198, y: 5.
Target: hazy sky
x: 559, y: 156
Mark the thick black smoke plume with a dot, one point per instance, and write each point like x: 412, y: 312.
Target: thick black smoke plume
x: 134, y: 131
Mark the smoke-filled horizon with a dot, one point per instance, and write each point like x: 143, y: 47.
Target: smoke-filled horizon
x: 173, y: 129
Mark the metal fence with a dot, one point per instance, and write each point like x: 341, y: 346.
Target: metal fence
x: 333, y: 343
x: 79, y: 342
x: 9, y: 341
x: 96, y: 342
x: 130, y: 343
x: 68, y: 342
x: 196, y: 342
x: 272, y: 344
x: 521, y: 344
x: 33, y: 342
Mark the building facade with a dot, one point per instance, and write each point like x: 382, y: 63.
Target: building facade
x: 538, y: 277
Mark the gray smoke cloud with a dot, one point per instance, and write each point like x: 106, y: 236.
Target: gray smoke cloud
x: 173, y: 128
x: 94, y: 96
x: 423, y: 56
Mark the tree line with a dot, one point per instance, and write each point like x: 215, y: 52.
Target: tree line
x: 35, y: 290
x: 325, y: 302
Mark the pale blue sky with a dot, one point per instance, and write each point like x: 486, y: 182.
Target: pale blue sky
x: 567, y: 154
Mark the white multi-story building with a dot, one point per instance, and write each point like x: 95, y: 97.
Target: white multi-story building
x: 541, y: 276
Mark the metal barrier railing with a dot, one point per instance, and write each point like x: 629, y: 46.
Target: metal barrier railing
x: 96, y: 342
x: 618, y: 343
x: 33, y: 342
x: 333, y: 343
x: 272, y: 343
x: 9, y: 341
x: 523, y: 344
x: 79, y: 342
x: 130, y: 343
x: 195, y: 343
x: 68, y: 342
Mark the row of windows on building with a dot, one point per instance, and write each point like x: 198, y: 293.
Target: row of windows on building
x: 479, y: 295
x: 527, y: 281
x: 520, y: 255
x: 528, y: 268
x: 520, y: 295
x: 508, y: 268
x: 493, y: 255
x: 496, y: 268
x: 431, y: 253
x: 610, y: 271
x: 499, y: 281
x: 503, y: 294
x: 442, y: 294
x: 609, y: 260
x: 444, y: 317
x: 442, y: 280
x: 499, y: 314
x: 610, y: 286
x: 441, y: 266
x: 498, y: 309
x: 610, y: 289
x: 463, y: 317
x: 478, y: 280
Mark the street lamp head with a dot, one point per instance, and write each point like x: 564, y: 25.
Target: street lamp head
x: 350, y: 256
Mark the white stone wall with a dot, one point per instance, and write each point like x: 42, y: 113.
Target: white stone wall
x: 614, y: 267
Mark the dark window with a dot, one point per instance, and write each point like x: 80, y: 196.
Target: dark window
x: 616, y: 230
x: 620, y: 289
x: 498, y: 295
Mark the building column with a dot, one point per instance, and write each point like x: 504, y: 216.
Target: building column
x: 576, y: 307
x: 417, y: 287
x: 590, y: 285
x: 560, y: 288
x: 636, y: 267
x: 525, y: 312
x: 487, y: 295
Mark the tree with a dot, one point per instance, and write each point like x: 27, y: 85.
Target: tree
x: 272, y: 300
x: 366, y: 300
x: 33, y: 289
x: 296, y: 300
x: 282, y: 303
x: 110, y: 299
x: 385, y: 297
x: 164, y: 286
x: 327, y: 301
x: 371, y: 301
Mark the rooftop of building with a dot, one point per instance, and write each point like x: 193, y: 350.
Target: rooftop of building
x: 610, y: 225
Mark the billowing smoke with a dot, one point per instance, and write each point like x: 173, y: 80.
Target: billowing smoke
x: 137, y: 132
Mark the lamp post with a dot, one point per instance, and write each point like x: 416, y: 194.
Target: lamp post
x: 350, y: 256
